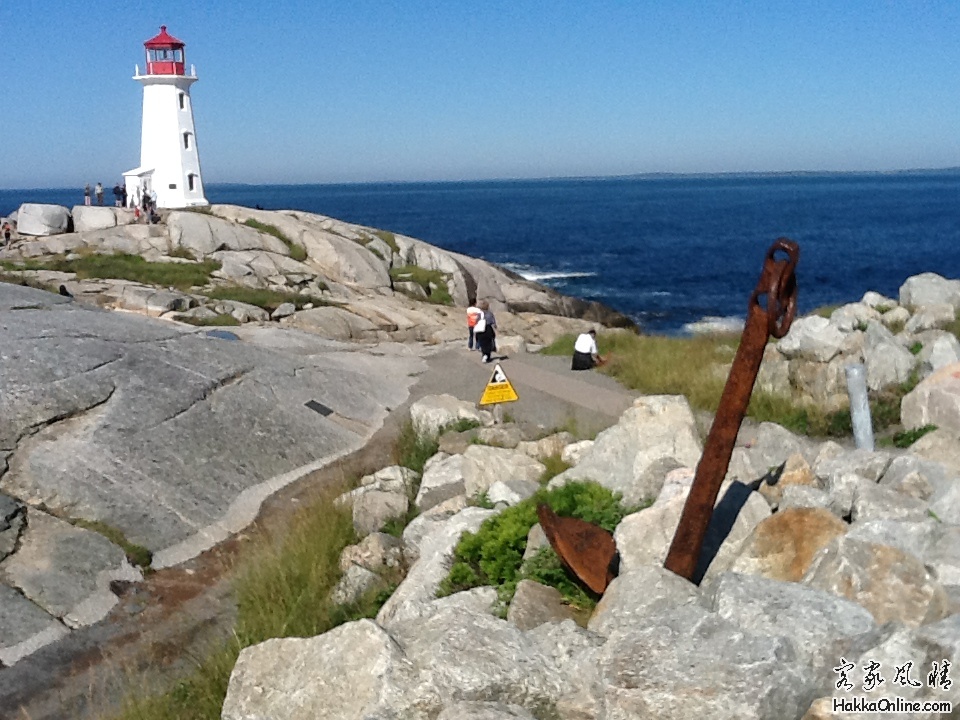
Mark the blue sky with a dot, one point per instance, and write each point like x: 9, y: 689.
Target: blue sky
x: 312, y: 91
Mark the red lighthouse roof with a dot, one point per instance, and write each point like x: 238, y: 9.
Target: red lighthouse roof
x: 163, y: 40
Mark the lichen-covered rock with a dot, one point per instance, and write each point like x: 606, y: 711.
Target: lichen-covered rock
x: 783, y: 546
x: 888, y: 582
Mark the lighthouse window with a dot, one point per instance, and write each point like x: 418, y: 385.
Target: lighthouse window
x: 181, y: 95
x: 186, y: 141
x: 191, y: 181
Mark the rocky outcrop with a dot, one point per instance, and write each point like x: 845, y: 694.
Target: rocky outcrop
x: 899, y: 341
x: 788, y: 601
x: 343, y: 269
x: 106, y: 430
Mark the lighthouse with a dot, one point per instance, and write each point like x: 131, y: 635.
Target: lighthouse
x: 169, y: 157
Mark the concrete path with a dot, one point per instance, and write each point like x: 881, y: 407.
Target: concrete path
x: 552, y: 396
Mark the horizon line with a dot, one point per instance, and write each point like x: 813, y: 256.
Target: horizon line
x: 625, y: 176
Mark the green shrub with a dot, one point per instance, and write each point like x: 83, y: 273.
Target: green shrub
x: 494, y: 554
x: 547, y: 568
x: 916, y: 348
x: 906, y: 438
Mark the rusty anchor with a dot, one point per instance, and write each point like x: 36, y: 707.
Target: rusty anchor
x: 770, y: 312
x: 589, y: 551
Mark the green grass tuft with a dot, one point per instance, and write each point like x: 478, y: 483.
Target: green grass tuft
x: 181, y: 252
x: 282, y: 590
x: 297, y: 252
x: 389, y: 238
x: 182, y: 276
x: 136, y: 554
x: 680, y: 366
x: 413, y: 450
x: 433, y: 282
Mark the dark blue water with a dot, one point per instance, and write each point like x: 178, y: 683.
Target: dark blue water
x: 666, y: 250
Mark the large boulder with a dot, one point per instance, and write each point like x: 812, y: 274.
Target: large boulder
x: 891, y: 584
x: 432, y: 413
x: 93, y: 217
x: 888, y: 362
x: 784, y: 545
x: 930, y: 289
x: 812, y: 338
x: 205, y: 234
x: 39, y: 219
x: 935, y: 401
x: 656, y: 435
x: 644, y: 537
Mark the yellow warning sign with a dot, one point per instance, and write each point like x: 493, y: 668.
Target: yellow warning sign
x: 499, y: 389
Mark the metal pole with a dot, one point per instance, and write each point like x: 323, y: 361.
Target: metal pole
x: 859, y: 406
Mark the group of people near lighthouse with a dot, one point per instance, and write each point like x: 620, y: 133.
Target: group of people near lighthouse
x: 481, y: 329
x: 144, y: 204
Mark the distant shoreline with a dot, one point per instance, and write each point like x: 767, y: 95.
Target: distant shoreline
x: 745, y: 174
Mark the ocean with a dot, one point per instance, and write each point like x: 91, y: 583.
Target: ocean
x: 668, y: 251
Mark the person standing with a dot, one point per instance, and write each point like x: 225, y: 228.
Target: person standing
x: 473, y: 315
x: 123, y: 195
x: 117, y: 195
x: 99, y: 191
x: 86, y: 194
x: 485, y: 331
x: 7, y: 232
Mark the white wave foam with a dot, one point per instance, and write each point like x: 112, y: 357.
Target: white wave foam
x: 539, y: 276
x: 529, y: 272
x: 713, y: 324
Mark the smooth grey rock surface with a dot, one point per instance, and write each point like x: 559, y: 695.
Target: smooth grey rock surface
x: 112, y: 417
x: 40, y: 219
x: 66, y: 570
x: 821, y: 626
x: 24, y: 626
x: 654, y: 436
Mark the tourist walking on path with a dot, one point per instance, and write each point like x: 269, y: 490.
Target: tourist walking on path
x: 473, y: 315
x: 585, y: 354
x: 86, y: 194
x: 485, y: 331
x: 99, y: 191
x: 7, y: 232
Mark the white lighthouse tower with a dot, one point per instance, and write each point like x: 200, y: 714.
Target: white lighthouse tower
x: 169, y: 158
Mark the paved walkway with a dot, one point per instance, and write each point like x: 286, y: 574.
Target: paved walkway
x: 551, y: 394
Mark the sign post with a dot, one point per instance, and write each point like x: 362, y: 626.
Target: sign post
x: 498, y: 391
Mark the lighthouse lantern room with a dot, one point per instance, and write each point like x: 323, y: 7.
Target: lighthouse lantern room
x: 169, y: 158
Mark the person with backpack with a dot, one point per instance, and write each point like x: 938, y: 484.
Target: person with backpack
x: 485, y: 332
x: 473, y: 315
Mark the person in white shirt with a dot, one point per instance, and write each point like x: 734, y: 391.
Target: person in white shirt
x: 473, y: 315
x: 585, y: 354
